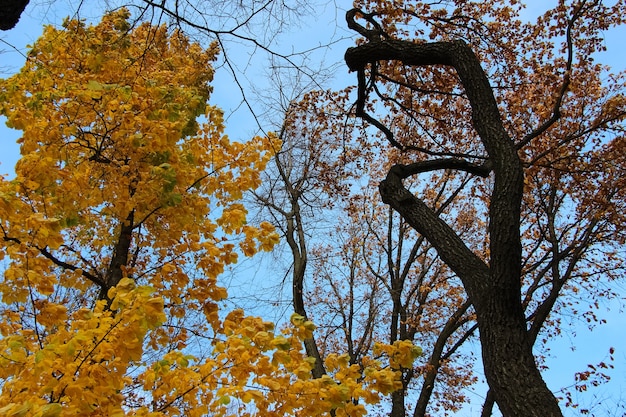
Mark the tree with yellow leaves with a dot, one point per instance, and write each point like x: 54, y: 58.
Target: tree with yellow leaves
x: 123, y: 213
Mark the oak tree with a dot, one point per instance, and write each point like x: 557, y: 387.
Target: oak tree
x: 521, y: 107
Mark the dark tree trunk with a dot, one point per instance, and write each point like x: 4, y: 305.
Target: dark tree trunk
x: 494, y: 289
x: 119, y: 259
x: 436, y: 356
x: 398, y: 408
x: 299, y: 269
x: 296, y: 240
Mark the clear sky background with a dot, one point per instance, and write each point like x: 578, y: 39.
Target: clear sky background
x: 572, y: 352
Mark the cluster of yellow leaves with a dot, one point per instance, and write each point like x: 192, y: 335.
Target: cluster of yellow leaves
x: 255, y: 371
x: 401, y: 353
x: 81, y: 367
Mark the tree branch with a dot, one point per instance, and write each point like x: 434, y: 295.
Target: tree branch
x: 556, y: 108
x: 58, y: 262
x: 405, y: 171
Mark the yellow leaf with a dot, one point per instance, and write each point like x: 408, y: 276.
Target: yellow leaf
x: 51, y: 410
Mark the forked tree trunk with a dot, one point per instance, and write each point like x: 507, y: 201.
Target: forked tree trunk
x: 493, y: 289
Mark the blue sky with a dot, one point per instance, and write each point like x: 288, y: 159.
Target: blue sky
x: 571, y: 352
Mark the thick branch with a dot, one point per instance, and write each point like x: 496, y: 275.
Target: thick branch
x: 457, y: 54
x: 371, y: 35
x: 58, y: 262
x: 405, y: 171
x: 452, y: 250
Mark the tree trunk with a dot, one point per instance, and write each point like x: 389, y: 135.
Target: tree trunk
x: 435, y: 360
x: 119, y: 259
x: 509, y: 364
x: 296, y: 240
x: 493, y: 289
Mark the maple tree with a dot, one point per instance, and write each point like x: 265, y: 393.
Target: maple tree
x: 531, y: 146
x: 122, y: 215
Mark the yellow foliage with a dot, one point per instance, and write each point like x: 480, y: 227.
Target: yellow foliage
x: 123, y: 213
x: 401, y: 354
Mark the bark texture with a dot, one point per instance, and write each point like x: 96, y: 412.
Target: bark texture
x: 494, y: 289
